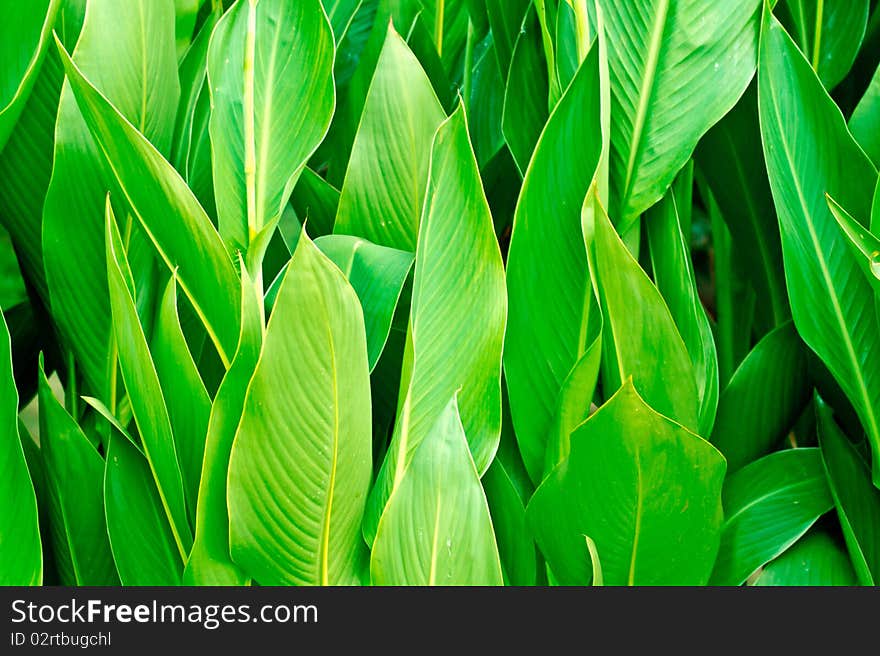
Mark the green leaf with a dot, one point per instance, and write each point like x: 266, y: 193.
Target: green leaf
x: 552, y: 310
x: 144, y: 389
x: 505, y: 19
x: 315, y: 202
x: 855, y: 497
x: 816, y: 559
x: 457, y: 318
x: 806, y: 159
x: 768, y: 506
x: 436, y: 528
x: 139, y: 76
x: 210, y: 562
x: 169, y: 213
x: 863, y: 244
x: 185, y: 15
x: 828, y: 33
x: 643, y: 488
x: 677, y: 67
x: 309, y: 436
x: 865, y: 119
x: 24, y: 38
x: 525, y: 99
x: 144, y: 548
x: 186, y: 398
x: 266, y: 57
x: 377, y: 275
x: 675, y: 279
x: 485, y: 103
x: 75, y: 477
x: 21, y: 556
x: 382, y: 204
x: 640, y: 338
x: 763, y: 399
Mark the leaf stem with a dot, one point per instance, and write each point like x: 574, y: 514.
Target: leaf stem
x: 250, y: 146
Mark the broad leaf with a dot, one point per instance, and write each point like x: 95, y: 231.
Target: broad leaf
x: 856, y: 499
x: 553, y: 314
x: 436, y: 528
x: 168, y: 211
x: 24, y: 39
x: 75, y: 478
x: 143, y: 545
x: 384, y: 187
x: 265, y: 58
x: 806, y: 159
x: 865, y: 118
x: 309, y: 436
x: 677, y: 67
x: 768, y: 506
x: 647, y: 492
x: 21, y: 556
x: 763, y: 399
x: 457, y: 318
x: 816, y: 559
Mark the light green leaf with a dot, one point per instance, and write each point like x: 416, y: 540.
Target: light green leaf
x: 674, y: 276
x: 186, y: 398
x: 139, y: 76
x: 828, y: 33
x: 384, y: 188
x: 144, y: 548
x: 21, y: 556
x: 309, y: 436
x: 865, y: 119
x: 855, y: 497
x: 24, y: 38
x: 553, y: 314
x: 266, y: 57
x: 816, y: 559
x: 806, y: 159
x: 169, y: 213
x: 436, y: 528
x: 144, y: 390
x: 75, y: 477
x: 457, y: 318
x: 643, y: 488
x: 677, y: 67
x: 210, y: 562
x: 864, y: 245
x: 377, y: 275
x: 640, y: 338
x: 763, y: 399
x: 768, y: 505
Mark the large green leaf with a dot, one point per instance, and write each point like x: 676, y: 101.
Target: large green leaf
x: 266, y: 57
x: 377, y: 275
x: 828, y: 33
x: 675, y: 279
x: 75, y: 477
x: 767, y: 507
x: 309, y: 436
x: 553, y: 314
x: 384, y: 188
x: 168, y: 211
x: 806, y: 159
x: 186, y: 398
x: 144, y: 390
x: 24, y: 38
x: 143, y: 545
x: 139, y: 77
x: 436, y: 528
x: 816, y: 559
x: 856, y: 499
x: 640, y: 338
x: 865, y: 119
x: 209, y: 561
x: 457, y: 318
x: 646, y: 490
x: 677, y: 67
x: 763, y: 399
x: 21, y: 556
